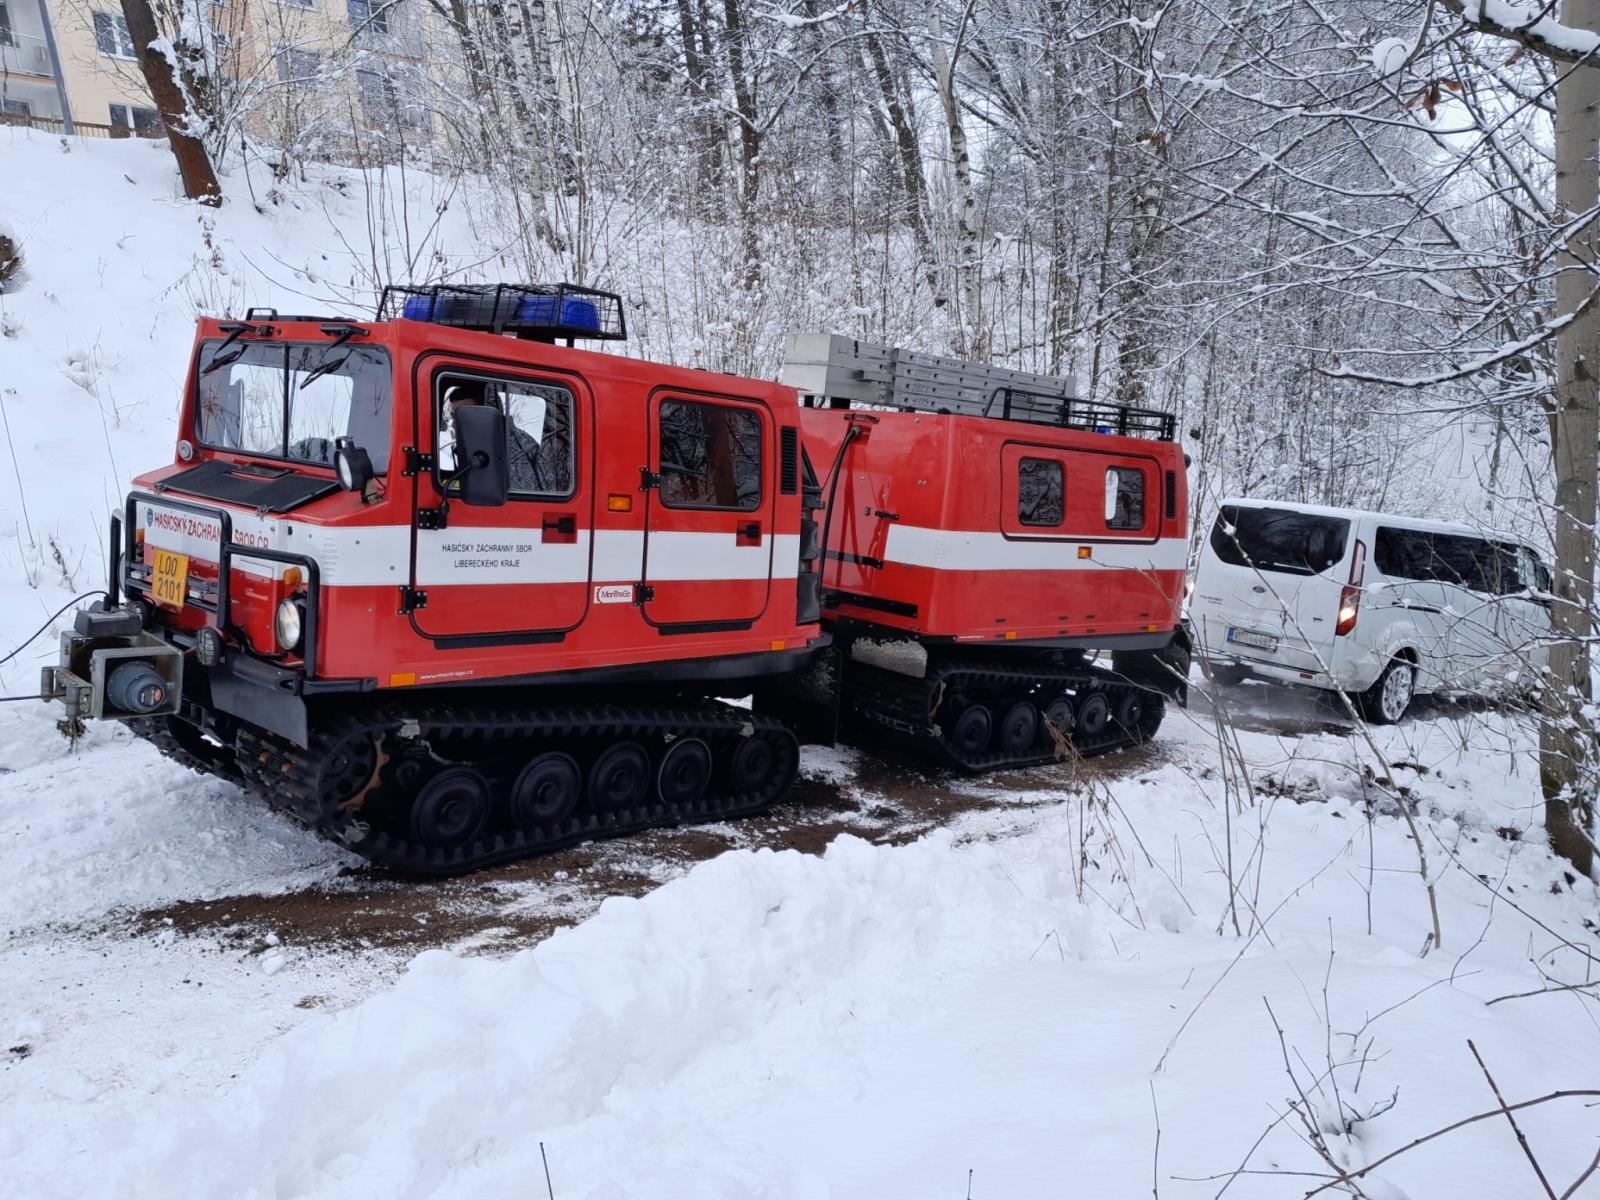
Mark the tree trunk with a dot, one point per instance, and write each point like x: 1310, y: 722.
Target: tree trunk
x: 1566, y: 735
x: 974, y: 334
x: 744, y: 99
x: 908, y: 145
x: 194, y: 164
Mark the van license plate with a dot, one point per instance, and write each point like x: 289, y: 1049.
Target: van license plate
x: 1259, y: 640
x: 169, y: 584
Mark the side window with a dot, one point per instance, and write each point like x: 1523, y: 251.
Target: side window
x: 1040, y: 488
x: 1535, y: 575
x: 1466, y: 562
x: 1124, y: 498
x: 539, y: 429
x: 1404, y: 553
x: 710, y: 456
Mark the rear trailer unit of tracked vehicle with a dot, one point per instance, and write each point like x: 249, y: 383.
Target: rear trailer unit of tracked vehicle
x: 451, y: 592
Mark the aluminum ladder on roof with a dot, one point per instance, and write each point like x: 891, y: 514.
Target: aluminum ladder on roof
x: 847, y: 371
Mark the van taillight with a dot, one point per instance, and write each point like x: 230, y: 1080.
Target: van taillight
x: 1350, y: 594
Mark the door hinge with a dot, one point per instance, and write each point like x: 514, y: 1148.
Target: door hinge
x: 417, y: 462
x: 648, y: 479
x: 412, y: 599
x: 643, y: 593
x: 433, y: 518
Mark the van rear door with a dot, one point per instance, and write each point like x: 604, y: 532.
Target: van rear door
x: 1269, y: 587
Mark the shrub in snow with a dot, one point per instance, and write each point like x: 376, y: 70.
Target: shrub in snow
x: 10, y: 261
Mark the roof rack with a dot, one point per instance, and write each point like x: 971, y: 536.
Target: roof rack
x: 537, y: 311
x: 845, y: 371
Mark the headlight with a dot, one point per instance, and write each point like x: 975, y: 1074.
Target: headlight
x: 352, y: 465
x: 289, y: 624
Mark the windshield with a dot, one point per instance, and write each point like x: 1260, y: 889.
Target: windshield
x: 273, y: 400
x: 1277, y: 539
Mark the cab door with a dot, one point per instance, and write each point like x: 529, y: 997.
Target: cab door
x: 708, y: 513
x: 519, y: 572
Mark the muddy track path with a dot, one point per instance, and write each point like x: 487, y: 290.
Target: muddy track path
x: 506, y: 908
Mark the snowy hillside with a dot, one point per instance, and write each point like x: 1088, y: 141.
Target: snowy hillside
x: 1054, y: 982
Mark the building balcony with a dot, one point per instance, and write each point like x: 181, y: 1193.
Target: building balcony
x: 393, y: 39
x: 24, y: 54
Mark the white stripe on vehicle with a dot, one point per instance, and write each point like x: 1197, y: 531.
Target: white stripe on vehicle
x: 379, y: 555
x: 976, y: 550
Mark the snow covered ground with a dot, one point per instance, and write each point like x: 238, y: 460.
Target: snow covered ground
x: 1019, y: 995
x: 1017, y: 1003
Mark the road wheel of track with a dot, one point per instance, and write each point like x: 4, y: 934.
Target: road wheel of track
x: 685, y: 771
x: 1058, y: 714
x: 451, y: 809
x: 1094, y: 714
x: 751, y: 765
x: 1155, y: 708
x: 620, y: 777
x: 1019, y: 727
x: 969, y: 732
x: 1130, y: 713
x: 545, y: 791
x: 348, y: 768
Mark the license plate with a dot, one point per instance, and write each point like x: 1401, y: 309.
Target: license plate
x: 1260, y: 641
x: 169, y: 584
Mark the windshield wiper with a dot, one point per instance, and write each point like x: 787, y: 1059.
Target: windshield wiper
x: 235, y: 330
x: 325, y: 364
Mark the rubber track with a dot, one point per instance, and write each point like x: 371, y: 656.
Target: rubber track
x: 287, y: 775
x: 910, y: 706
x: 158, y: 732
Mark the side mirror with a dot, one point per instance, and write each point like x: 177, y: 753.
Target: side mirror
x: 483, y: 469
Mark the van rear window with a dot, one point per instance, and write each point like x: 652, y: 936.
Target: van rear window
x: 1277, y: 539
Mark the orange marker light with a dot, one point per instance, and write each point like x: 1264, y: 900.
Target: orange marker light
x: 292, y: 578
x: 403, y: 680
x: 778, y: 644
x: 619, y: 502
x: 1011, y: 635
x: 1085, y: 551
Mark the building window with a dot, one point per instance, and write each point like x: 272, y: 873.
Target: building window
x: 16, y: 108
x: 1124, y: 498
x: 1040, y: 488
x: 5, y: 27
x: 372, y: 15
x: 111, y: 35
x: 147, y: 123
x: 298, y: 66
x: 299, y: 3
x: 710, y: 456
x: 391, y: 98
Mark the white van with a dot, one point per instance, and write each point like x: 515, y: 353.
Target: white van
x: 1379, y: 606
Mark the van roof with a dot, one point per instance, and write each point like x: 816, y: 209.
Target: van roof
x: 1418, y: 523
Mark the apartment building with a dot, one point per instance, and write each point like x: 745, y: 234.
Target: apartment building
x: 332, y: 72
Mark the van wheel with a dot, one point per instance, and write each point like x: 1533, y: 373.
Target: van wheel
x: 1386, y: 701
x: 1228, y: 675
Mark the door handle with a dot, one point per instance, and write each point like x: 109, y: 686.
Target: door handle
x: 560, y: 527
x: 749, y: 533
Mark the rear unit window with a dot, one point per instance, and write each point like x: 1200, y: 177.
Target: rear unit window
x: 1040, y: 488
x: 710, y: 456
x: 1277, y: 539
x: 1124, y: 498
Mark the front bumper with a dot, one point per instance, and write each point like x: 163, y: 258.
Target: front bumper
x: 237, y: 688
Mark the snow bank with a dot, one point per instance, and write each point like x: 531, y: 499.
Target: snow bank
x: 878, y: 1021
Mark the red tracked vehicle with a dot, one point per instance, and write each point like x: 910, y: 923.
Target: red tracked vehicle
x: 453, y: 593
